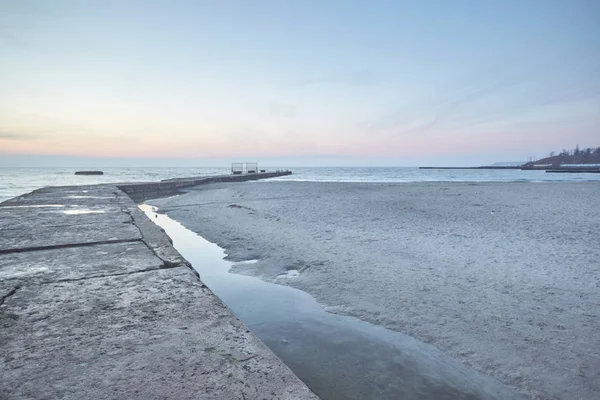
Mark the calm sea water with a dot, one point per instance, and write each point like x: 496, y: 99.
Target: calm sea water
x: 17, y: 181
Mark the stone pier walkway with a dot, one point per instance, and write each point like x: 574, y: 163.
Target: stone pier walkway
x: 95, y: 303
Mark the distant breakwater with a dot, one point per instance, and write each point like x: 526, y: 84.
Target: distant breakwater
x: 139, y: 192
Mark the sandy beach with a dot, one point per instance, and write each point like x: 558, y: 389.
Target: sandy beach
x: 503, y: 277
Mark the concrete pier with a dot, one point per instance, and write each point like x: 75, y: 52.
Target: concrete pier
x: 148, y: 190
x: 96, y: 303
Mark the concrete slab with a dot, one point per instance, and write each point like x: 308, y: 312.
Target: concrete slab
x: 95, y: 194
x: 152, y: 335
x: 71, y: 263
x: 53, y: 217
x: 32, y: 236
x: 13, y: 217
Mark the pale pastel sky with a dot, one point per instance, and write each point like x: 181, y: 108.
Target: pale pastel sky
x: 401, y: 82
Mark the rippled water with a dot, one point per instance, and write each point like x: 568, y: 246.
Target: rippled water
x: 402, y: 174
x: 17, y: 181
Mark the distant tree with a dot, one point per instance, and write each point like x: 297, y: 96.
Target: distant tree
x: 576, y: 152
x: 551, y: 154
x: 587, y: 154
x: 597, y: 151
x: 564, y: 153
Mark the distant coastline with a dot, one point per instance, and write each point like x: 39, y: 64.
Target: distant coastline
x: 580, y: 159
x: 576, y: 160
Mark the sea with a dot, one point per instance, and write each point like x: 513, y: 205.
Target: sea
x: 18, y: 181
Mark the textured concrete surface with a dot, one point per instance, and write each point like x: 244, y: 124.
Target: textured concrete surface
x: 96, y: 303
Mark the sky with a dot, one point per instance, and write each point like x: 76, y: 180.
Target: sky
x: 297, y: 82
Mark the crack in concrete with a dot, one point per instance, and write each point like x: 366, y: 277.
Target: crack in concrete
x: 10, y: 293
x: 67, y: 245
x: 166, y: 264
x: 66, y: 280
x: 100, y: 276
x: 53, y: 226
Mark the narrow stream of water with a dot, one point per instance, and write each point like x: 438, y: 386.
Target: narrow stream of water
x: 338, y: 357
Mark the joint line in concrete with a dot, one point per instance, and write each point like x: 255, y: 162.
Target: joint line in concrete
x: 100, y: 276
x: 66, y: 245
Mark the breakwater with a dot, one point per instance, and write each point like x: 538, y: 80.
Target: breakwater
x: 142, y: 191
x: 96, y: 303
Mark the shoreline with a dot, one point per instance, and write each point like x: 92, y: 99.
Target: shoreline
x: 273, y: 224
x: 370, y: 361
x: 15, y: 181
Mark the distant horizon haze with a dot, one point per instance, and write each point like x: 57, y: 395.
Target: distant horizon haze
x: 67, y: 161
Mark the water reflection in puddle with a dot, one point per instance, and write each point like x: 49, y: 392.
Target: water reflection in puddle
x: 77, y: 212
x: 338, y: 357
x: 36, y: 206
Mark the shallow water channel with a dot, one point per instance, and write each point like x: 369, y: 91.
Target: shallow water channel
x: 338, y: 357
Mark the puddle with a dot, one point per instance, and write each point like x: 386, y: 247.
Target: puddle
x: 36, y: 206
x: 248, y: 262
x: 76, y: 196
x: 338, y: 357
x: 77, y: 212
x: 291, y: 274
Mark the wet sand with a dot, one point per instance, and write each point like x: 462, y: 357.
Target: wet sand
x: 503, y: 277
